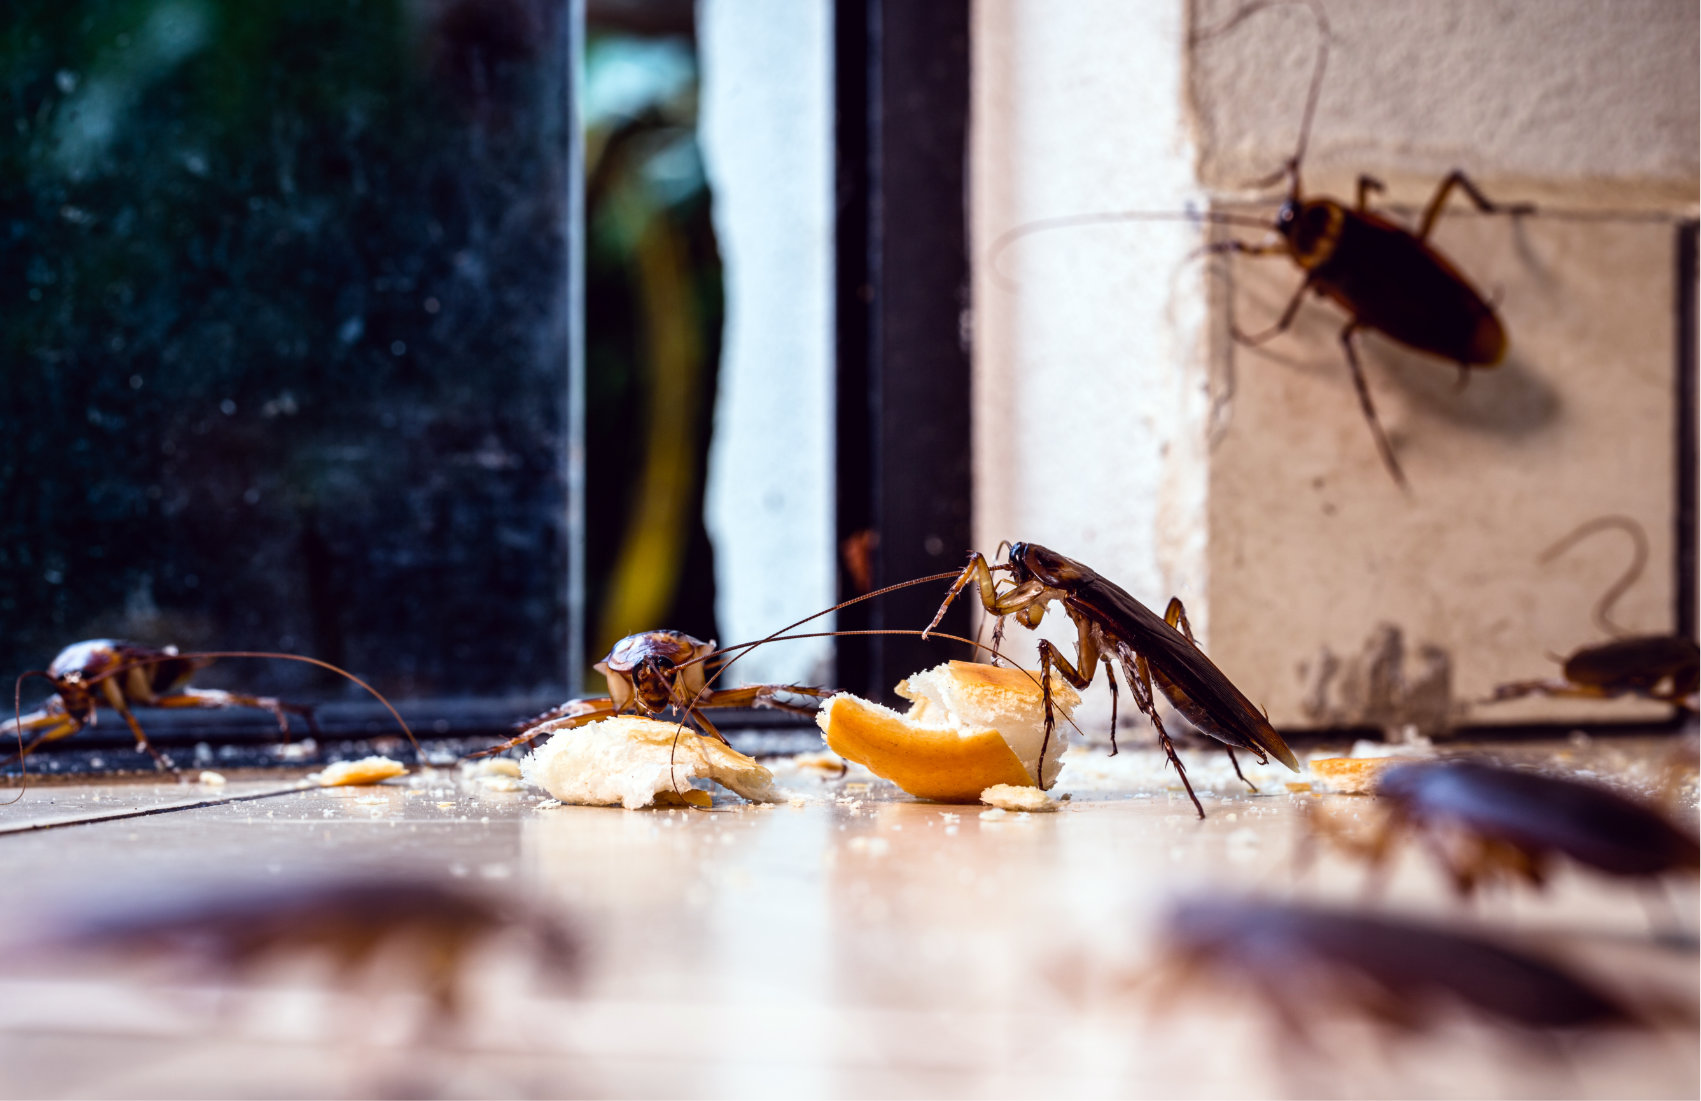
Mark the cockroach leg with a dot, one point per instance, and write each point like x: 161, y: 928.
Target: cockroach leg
x: 1110, y: 679
x: 1368, y: 185
x: 1369, y: 407
x: 1253, y: 340
x: 1483, y: 203
x: 1175, y: 614
x: 561, y: 718
x: 161, y: 761
x: 1052, y: 658
x: 1140, y: 682
x: 1239, y: 773
x: 215, y: 698
x: 763, y: 695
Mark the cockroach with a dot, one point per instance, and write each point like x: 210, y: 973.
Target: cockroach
x: 1666, y: 668
x: 1402, y: 974
x: 123, y: 675
x: 651, y: 672
x: 1150, y: 649
x: 428, y: 930
x: 1385, y: 277
x: 1483, y: 823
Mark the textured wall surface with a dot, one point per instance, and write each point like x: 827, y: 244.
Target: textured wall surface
x: 1580, y: 101
x: 1118, y: 422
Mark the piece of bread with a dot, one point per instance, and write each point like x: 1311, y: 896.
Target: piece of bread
x: 634, y: 762
x: 969, y: 727
x: 1355, y: 775
x: 367, y: 770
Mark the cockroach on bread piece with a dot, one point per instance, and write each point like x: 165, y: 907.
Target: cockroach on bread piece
x: 650, y: 672
x: 1151, y: 650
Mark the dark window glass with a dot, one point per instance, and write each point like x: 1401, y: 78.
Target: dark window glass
x: 283, y: 317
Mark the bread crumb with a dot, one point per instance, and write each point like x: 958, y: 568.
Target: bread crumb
x: 501, y: 783
x: 827, y: 764
x: 212, y: 779
x: 1011, y: 797
x: 490, y: 767
x: 367, y: 770
x: 994, y: 815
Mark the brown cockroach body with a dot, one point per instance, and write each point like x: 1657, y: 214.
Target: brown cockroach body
x: 1657, y: 667
x: 1402, y: 974
x: 1151, y: 650
x: 123, y: 675
x: 428, y: 930
x: 1385, y: 277
x: 651, y: 672
x: 1483, y: 823
x: 1666, y: 668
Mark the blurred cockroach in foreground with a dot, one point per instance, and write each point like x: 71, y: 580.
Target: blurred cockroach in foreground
x: 1408, y: 977
x: 1484, y: 823
x: 419, y: 935
x: 1386, y: 278
x: 123, y: 675
x: 1666, y: 668
x: 1151, y: 650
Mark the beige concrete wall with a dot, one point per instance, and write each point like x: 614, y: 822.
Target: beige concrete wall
x: 1104, y: 422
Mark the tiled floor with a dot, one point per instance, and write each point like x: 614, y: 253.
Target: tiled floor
x: 852, y: 942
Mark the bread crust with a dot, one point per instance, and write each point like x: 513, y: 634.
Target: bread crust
x: 945, y: 764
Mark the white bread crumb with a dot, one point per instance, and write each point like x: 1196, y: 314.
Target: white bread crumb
x: 1011, y: 797
x: 367, y: 770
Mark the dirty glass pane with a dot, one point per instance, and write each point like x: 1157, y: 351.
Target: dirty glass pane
x: 282, y: 312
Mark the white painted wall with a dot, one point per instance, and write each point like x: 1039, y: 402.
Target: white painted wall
x: 1089, y: 400
x: 766, y: 131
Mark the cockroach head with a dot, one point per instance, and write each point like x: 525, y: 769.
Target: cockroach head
x: 1310, y: 228
x: 75, y: 694
x: 652, y: 682
x: 1032, y: 562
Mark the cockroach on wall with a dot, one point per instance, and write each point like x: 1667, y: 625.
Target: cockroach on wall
x: 122, y: 675
x: 1386, y: 278
x: 1150, y: 649
x: 1666, y: 668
